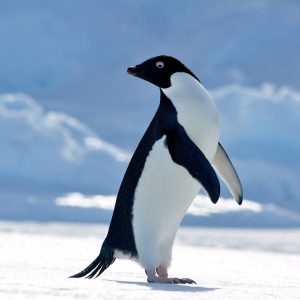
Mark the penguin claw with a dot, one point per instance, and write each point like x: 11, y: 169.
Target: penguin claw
x: 184, y: 281
x: 187, y: 281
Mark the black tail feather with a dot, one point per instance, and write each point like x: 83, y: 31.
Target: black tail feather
x: 99, y: 265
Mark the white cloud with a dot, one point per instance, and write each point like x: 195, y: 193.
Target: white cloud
x: 83, y: 201
x: 201, y: 206
x: 266, y: 92
x: 259, y: 131
x: 76, y: 138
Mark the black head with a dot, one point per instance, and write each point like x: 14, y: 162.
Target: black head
x: 158, y: 70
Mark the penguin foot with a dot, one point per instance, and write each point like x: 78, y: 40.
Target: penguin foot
x: 162, y: 271
x: 163, y: 277
x: 173, y: 280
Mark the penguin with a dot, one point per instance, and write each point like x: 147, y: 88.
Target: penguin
x: 179, y: 153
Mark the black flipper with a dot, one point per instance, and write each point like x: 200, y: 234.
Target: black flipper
x: 99, y: 265
x: 185, y: 153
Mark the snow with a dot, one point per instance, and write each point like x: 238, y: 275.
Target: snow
x: 36, y: 260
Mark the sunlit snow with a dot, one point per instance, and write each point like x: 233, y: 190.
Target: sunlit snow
x: 36, y: 260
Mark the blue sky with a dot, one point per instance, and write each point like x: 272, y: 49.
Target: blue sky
x: 73, y: 108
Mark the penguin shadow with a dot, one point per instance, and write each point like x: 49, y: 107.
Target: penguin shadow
x: 169, y: 287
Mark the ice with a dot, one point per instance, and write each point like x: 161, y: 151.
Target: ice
x: 36, y: 260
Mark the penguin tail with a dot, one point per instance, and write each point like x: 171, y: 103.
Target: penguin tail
x: 99, y: 265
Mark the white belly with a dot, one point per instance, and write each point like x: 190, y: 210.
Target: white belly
x: 163, y: 195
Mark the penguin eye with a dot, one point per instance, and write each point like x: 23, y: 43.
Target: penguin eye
x: 160, y: 64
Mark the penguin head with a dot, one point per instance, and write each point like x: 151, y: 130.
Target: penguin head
x: 158, y: 70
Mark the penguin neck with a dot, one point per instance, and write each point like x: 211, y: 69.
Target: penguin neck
x: 185, y: 87
x: 187, y: 94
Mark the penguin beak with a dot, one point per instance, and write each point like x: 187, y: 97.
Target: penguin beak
x: 138, y: 71
x: 132, y: 70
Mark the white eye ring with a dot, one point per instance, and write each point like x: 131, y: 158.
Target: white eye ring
x: 160, y: 64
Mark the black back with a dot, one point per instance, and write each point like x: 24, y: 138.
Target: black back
x: 120, y: 233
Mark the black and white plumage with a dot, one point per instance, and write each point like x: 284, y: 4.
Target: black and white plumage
x: 177, y: 155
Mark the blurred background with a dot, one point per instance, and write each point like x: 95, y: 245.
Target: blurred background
x: 70, y: 116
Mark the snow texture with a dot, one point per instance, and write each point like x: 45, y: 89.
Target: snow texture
x: 36, y: 260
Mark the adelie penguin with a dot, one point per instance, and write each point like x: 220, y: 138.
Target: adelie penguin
x: 177, y: 155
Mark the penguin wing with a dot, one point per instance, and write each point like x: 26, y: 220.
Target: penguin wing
x: 228, y: 174
x: 186, y: 154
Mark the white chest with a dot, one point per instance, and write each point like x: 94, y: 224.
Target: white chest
x: 164, y: 193
x: 196, y: 112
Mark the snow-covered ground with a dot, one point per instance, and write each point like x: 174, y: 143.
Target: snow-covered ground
x: 36, y: 260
